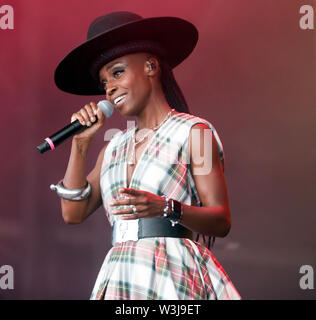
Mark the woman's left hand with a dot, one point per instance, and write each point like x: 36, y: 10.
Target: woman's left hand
x: 148, y: 205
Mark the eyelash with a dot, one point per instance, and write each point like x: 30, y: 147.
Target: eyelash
x: 115, y: 72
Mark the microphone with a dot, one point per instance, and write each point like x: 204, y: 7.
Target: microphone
x: 73, y: 128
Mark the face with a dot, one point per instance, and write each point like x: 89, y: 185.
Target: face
x: 127, y: 77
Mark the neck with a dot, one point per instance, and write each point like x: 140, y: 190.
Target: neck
x: 154, y: 113
x: 152, y: 118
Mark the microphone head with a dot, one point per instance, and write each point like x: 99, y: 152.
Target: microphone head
x: 106, y: 107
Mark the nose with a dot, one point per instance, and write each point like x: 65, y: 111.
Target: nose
x: 111, y: 88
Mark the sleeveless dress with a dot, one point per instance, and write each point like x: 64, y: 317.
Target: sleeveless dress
x: 159, y: 267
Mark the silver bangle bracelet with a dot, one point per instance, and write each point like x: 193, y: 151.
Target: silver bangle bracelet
x: 71, y: 194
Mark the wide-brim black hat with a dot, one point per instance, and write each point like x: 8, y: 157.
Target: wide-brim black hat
x: 178, y: 37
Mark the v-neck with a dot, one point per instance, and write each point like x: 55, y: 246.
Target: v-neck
x: 142, y: 154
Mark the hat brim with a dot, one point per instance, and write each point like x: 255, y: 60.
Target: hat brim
x: 177, y: 36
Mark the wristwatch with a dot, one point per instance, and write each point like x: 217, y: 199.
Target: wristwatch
x: 176, y: 212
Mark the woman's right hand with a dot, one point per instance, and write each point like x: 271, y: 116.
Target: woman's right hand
x: 87, y: 116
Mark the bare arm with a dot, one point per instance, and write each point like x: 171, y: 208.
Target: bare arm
x: 214, y: 217
x: 77, y: 211
x: 75, y: 177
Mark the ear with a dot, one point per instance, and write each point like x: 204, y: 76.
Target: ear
x: 151, y: 66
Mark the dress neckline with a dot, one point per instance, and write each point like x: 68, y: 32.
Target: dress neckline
x: 143, y: 152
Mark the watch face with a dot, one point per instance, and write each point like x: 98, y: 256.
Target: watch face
x: 176, y: 214
x: 177, y: 206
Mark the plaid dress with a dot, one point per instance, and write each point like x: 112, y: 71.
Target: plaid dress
x: 158, y: 267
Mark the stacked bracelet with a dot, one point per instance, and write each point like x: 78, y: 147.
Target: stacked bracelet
x: 176, y: 211
x: 72, y: 194
x: 166, y: 209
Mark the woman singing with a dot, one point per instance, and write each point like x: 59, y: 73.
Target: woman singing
x: 159, y: 181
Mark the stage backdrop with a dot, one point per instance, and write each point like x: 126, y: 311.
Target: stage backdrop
x: 252, y: 75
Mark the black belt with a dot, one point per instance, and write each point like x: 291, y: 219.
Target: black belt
x: 159, y: 227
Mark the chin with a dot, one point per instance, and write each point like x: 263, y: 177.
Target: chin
x: 129, y: 110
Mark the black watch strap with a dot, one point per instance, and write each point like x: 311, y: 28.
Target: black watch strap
x: 176, y: 212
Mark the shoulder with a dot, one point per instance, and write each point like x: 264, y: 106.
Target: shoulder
x: 203, y: 140
x: 194, y: 122
x: 191, y: 120
x: 203, y: 135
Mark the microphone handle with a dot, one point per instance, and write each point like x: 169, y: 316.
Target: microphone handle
x: 65, y: 133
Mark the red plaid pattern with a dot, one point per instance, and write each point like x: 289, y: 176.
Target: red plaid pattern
x: 159, y: 267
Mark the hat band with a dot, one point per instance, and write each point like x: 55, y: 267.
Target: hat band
x: 123, y: 49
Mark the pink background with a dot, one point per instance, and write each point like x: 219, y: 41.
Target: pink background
x: 252, y: 75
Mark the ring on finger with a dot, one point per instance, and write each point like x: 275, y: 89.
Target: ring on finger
x: 134, y: 209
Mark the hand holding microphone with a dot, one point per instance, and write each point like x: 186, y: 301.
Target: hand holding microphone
x: 86, y: 122
x: 91, y: 118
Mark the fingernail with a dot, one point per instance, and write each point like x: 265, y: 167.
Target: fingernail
x: 95, y: 111
x: 92, y: 119
x: 88, y: 123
